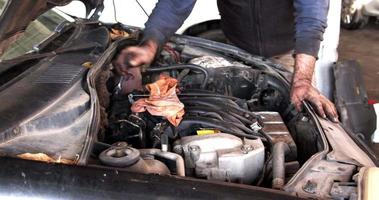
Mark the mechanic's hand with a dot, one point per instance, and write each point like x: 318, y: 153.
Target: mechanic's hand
x: 135, y: 56
x: 302, y: 89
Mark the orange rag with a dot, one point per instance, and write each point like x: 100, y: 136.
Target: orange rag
x: 162, y: 101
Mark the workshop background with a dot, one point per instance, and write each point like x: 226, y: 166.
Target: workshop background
x: 363, y: 45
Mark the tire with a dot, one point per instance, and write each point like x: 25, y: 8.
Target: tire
x: 214, y: 35
x: 352, y: 18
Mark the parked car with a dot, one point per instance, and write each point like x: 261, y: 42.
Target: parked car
x: 355, y: 13
x: 67, y: 130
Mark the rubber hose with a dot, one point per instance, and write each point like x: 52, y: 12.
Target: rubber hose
x: 222, y: 101
x: 183, y: 66
x: 216, y: 105
x: 224, y: 115
x: 239, y: 124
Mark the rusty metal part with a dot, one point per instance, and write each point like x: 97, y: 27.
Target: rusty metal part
x: 278, y: 165
x: 319, y: 179
x: 179, y: 162
x: 130, y: 159
x: 284, y: 147
x: 344, y: 190
x: 44, y: 158
x: 104, y: 99
x: 274, y: 126
x: 149, y: 166
x: 119, y: 155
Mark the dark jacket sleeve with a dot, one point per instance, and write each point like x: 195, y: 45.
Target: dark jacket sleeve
x: 166, y: 19
x: 311, y: 21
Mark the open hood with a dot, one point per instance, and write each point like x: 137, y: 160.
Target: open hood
x: 17, y: 14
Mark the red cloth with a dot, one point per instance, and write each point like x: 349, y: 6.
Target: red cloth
x: 163, y: 100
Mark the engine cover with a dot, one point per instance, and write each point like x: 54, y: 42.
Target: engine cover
x: 222, y: 157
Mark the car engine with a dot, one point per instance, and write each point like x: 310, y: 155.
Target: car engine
x: 232, y: 129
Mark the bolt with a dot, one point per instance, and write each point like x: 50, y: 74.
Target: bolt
x: 255, y: 127
x: 120, y: 153
x: 304, y: 119
x: 178, y: 149
x: 16, y: 131
x: 246, y: 148
x: 310, y: 187
x: 194, y: 148
x: 194, y: 152
x: 121, y: 145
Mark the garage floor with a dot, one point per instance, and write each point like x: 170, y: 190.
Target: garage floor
x: 363, y: 46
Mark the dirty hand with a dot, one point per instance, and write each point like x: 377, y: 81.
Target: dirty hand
x: 135, y: 56
x: 302, y: 88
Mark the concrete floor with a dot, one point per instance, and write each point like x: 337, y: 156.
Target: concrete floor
x: 363, y: 45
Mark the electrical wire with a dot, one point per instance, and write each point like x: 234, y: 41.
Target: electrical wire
x: 183, y: 66
x: 142, y: 8
x: 114, y: 11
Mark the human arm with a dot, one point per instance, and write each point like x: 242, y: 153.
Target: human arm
x: 310, y: 24
x: 166, y: 18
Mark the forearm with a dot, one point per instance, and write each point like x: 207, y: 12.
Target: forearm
x: 310, y: 24
x: 302, y: 89
x: 304, y: 68
x: 166, y: 18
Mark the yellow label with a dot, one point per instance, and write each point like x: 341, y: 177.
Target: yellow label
x: 206, y: 131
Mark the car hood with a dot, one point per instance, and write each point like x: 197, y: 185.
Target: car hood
x: 17, y: 14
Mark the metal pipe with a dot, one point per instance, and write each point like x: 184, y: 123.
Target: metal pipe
x: 278, y: 168
x: 180, y: 167
x: 183, y: 66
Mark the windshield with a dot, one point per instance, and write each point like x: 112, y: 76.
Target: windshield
x: 35, y: 33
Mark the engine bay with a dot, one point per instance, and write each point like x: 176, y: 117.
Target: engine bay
x: 234, y: 128
x: 202, y: 112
